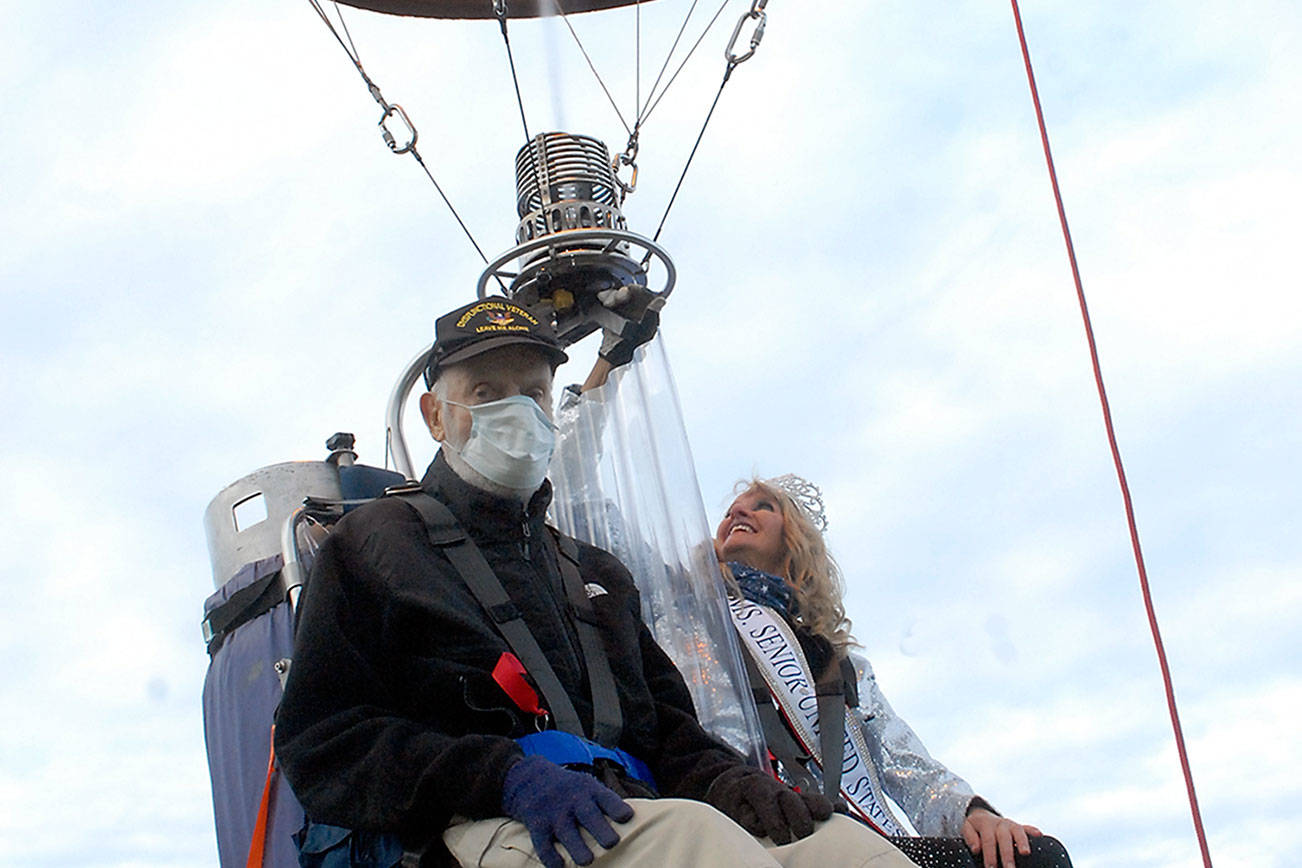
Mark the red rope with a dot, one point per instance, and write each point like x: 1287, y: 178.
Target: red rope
x: 1116, y: 453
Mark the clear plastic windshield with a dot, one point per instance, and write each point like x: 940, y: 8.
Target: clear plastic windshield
x: 625, y: 481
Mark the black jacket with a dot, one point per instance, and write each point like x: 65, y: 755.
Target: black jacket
x: 391, y: 720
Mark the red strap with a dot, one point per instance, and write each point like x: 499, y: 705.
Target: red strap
x: 510, y: 675
x: 259, y: 843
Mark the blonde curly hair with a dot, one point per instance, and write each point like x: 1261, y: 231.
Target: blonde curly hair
x: 808, y: 567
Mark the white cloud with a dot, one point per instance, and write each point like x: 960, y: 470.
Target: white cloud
x: 219, y: 264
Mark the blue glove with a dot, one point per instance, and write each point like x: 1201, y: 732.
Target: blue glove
x: 553, y: 802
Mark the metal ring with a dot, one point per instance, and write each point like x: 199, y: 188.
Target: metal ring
x: 578, y: 236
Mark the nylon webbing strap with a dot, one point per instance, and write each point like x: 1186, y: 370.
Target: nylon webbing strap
x: 258, y: 843
x: 243, y: 606
x: 850, y: 679
x: 831, y: 727
x: 776, y: 734
x: 607, y: 719
x: 445, y: 533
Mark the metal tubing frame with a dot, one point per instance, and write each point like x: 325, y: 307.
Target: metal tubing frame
x: 559, y: 241
x: 393, y: 413
x: 291, y: 571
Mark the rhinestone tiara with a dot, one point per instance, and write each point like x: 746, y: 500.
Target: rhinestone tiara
x: 807, y: 496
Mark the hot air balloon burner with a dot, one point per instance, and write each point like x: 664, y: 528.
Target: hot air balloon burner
x: 565, y: 182
x: 572, y: 241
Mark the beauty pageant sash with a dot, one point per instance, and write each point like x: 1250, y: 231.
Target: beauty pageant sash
x: 771, y: 644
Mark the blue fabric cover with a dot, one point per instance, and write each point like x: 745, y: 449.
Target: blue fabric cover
x: 357, y: 481
x: 240, y: 695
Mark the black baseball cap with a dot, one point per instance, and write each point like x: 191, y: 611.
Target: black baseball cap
x: 485, y: 325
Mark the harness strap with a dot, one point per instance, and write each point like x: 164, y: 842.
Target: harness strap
x: 569, y: 750
x: 607, y: 717
x: 831, y: 693
x: 446, y: 534
x: 258, y: 844
x: 831, y: 727
x: 244, y: 605
x: 783, y: 747
x: 850, y: 678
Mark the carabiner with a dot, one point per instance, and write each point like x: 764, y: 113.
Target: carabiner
x: 756, y: 13
x: 389, y: 138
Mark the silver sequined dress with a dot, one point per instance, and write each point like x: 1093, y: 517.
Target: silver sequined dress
x: 934, y: 798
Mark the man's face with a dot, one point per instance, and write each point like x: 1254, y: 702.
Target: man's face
x: 490, y: 376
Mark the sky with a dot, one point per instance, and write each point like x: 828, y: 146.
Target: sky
x: 211, y: 263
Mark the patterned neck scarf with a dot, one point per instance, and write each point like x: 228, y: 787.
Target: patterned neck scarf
x: 765, y: 589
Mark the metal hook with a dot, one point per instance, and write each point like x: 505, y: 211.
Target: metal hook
x: 756, y: 13
x: 628, y: 158
x: 623, y: 160
x: 389, y: 138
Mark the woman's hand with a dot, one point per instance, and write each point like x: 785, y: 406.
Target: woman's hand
x: 995, y: 837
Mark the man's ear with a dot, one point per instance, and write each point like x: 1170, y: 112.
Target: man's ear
x: 432, y: 409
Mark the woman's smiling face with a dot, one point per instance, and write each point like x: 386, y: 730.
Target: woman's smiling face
x: 751, y: 533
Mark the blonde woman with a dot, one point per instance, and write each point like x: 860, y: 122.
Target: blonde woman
x: 785, y: 596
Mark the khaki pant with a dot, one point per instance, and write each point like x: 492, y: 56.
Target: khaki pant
x: 676, y: 833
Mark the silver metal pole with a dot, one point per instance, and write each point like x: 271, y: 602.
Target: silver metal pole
x: 291, y: 571
x: 393, y: 415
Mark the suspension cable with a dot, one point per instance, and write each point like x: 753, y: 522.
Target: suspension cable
x: 637, y: 55
x: 593, y: 67
x: 347, y: 32
x: 416, y: 154
x: 669, y: 56
x: 644, y: 116
x: 348, y: 47
x: 756, y: 14
x: 535, y: 154
x: 629, y: 155
x: 687, y: 165
x: 499, y: 9
x: 653, y: 98
x: 390, y: 110
x: 1116, y: 453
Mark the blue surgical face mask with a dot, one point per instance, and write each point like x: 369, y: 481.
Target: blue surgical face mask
x: 511, y: 441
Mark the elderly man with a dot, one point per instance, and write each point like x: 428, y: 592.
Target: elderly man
x: 468, y: 682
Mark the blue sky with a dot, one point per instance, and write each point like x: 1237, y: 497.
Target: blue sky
x: 211, y: 263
